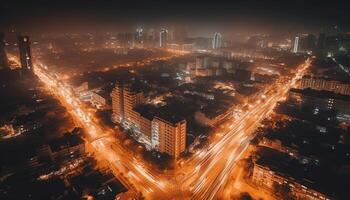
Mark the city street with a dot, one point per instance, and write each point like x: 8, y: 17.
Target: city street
x: 202, y: 176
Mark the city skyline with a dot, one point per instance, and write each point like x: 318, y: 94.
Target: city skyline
x: 200, y: 18
x: 182, y: 100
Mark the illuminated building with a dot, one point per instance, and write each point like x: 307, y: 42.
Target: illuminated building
x: 3, y: 56
x: 325, y: 84
x: 25, y: 54
x: 117, y: 103
x: 165, y: 134
x: 296, y: 45
x: 323, y: 100
x: 163, y: 37
x: 169, y: 135
x: 139, y: 35
x: 98, y: 99
x: 284, y: 170
x: 217, y: 41
x: 132, y: 98
x: 124, y: 100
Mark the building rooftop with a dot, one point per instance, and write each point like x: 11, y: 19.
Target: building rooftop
x: 147, y: 111
x: 214, y: 110
x: 309, y: 175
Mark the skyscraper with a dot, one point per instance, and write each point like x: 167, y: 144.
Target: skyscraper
x: 163, y: 37
x: 25, y: 54
x: 139, y: 35
x: 295, y: 45
x: 3, y: 56
x: 217, y: 41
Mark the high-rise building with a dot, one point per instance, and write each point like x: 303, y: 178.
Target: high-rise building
x: 217, y: 41
x: 124, y: 100
x: 139, y: 35
x: 3, y: 56
x: 169, y: 135
x: 295, y: 45
x: 166, y: 134
x: 25, y: 54
x: 118, y: 103
x: 132, y: 99
x: 163, y: 38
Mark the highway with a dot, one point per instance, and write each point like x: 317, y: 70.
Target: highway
x: 201, y: 177
x: 213, y: 166
x: 123, y: 163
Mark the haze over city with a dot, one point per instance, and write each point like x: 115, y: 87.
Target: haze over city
x: 174, y: 100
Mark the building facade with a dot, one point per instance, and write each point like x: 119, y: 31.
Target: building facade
x: 155, y: 132
x: 267, y: 178
x: 118, y: 103
x: 325, y: 84
x: 169, y: 137
x: 217, y: 41
x: 163, y: 38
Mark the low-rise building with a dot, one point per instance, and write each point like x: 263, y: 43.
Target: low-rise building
x: 212, y: 115
x: 99, y: 99
x: 325, y: 84
x: 68, y: 146
x: 278, y: 169
x: 323, y: 100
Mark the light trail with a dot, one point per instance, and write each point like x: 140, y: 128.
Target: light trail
x: 139, y: 177
x: 234, y: 143
x: 204, y: 173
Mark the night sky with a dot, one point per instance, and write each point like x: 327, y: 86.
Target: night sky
x: 250, y: 15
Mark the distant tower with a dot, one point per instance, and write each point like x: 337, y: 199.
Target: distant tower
x: 25, y: 54
x: 3, y: 56
x: 217, y: 40
x: 296, y: 45
x: 139, y: 35
x: 163, y: 37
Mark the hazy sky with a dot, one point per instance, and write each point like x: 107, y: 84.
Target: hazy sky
x: 202, y: 17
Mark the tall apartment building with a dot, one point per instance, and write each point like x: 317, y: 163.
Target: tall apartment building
x: 131, y: 98
x: 118, y: 103
x: 325, y: 84
x: 169, y: 136
x: 165, y: 134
